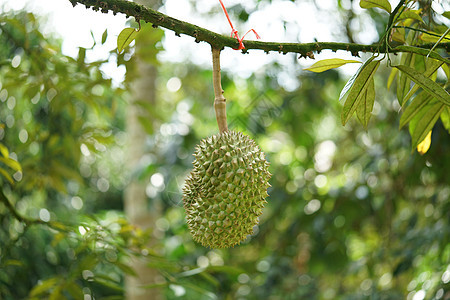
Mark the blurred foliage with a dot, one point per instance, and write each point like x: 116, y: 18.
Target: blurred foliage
x: 352, y: 213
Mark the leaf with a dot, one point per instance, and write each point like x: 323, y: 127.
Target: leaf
x: 403, y: 82
x: 410, y: 14
x: 352, y: 79
x: 56, y: 294
x: 74, y: 290
x: 199, y: 289
x: 57, y: 238
x: 59, y: 226
x: 446, y: 71
x: 43, y: 287
x: 327, y: 64
x: 426, y: 123
x: 445, y: 118
x: 391, y: 77
x: 426, y: 83
x: 4, y: 151
x: 424, y: 145
x: 383, y: 4
x: 446, y: 14
x: 88, y: 262
x: 93, y: 39
x: 104, y: 36
x: 191, y: 272
x: 13, y: 164
x: 125, y: 37
x: 423, y: 52
x: 358, y: 90
x: 126, y: 269
x: 398, y: 35
x: 365, y: 107
x: 235, y: 271
x: 422, y: 99
x: 433, y: 37
x: 431, y: 66
x: 13, y: 262
x: 6, y: 175
x: 110, y: 284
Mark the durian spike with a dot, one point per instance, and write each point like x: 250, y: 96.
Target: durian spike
x: 219, y: 99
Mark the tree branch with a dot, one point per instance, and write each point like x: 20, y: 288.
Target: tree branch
x: 28, y: 221
x: 219, y: 41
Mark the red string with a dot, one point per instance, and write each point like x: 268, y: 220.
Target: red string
x: 234, y: 32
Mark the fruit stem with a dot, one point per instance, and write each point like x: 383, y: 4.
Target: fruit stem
x: 219, y: 99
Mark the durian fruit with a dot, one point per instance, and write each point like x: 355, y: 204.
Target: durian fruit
x: 225, y: 193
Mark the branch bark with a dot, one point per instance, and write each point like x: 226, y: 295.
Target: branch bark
x: 219, y: 41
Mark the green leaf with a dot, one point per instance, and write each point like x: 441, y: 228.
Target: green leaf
x: 327, y: 64
x: 125, y: 37
x: 446, y: 14
x: 201, y: 272
x: 110, y: 284
x: 88, y: 262
x: 358, y: 90
x: 43, y: 287
x: 126, y: 268
x: 211, y: 279
x: 4, y: 151
x: 191, y: 272
x: 398, y: 35
x: 13, y: 262
x: 446, y: 71
x: 13, y: 164
x: 431, y: 66
x: 365, y: 107
x: 6, y: 175
x: 426, y: 83
x: 445, y: 118
x: 403, y: 82
x: 155, y: 285
x: 56, y: 294
x: 423, y: 52
x: 104, y: 36
x: 433, y: 37
x: 410, y: 14
x: 74, y: 290
x: 117, y: 297
x: 383, y: 4
x: 234, y: 271
x: 352, y: 79
x: 199, y: 289
x: 93, y: 39
x: 426, y: 122
x: 422, y: 99
x: 391, y: 77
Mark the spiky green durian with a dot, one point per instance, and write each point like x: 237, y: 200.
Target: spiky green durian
x: 225, y: 192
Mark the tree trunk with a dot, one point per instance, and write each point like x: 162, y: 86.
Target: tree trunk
x: 138, y: 208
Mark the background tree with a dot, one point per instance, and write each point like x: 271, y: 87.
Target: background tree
x: 351, y: 214
x: 141, y: 76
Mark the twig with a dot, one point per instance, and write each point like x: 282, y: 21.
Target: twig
x: 219, y: 41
